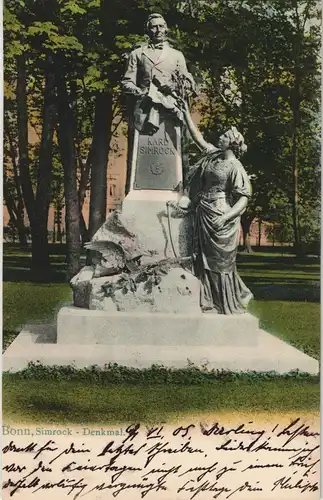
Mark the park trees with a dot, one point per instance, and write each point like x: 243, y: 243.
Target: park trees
x: 32, y: 191
x: 259, y: 62
x: 69, y: 60
x: 256, y: 63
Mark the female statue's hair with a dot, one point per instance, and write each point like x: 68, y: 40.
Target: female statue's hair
x: 236, y: 141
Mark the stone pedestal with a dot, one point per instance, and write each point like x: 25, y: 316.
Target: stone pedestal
x: 156, y: 162
x: 88, y: 338
x: 156, y: 177
x: 79, y: 326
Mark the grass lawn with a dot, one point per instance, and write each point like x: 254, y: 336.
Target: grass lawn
x: 72, y: 402
x: 298, y: 323
x: 25, y: 302
x: 286, y: 291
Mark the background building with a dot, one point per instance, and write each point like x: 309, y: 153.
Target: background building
x: 116, y: 180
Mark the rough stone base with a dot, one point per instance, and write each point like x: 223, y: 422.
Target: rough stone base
x: 177, y: 291
x: 141, y: 342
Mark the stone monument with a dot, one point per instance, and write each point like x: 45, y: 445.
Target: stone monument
x: 156, y: 82
x: 150, y: 241
x: 144, y: 299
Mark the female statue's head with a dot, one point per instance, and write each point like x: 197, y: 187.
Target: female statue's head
x: 156, y: 28
x: 232, y: 139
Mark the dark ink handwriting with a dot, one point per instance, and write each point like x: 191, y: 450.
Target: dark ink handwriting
x: 68, y: 484
x: 40, y: 468
x: 165, y: 448
x: 263, y: 466
x: 219, y: 430
x: 285, y: 483
x: 265, y: 446
x: 132, y: 431
x: 144, y: 488
x: 200, y: 488
x: 11, y: 447
x: 116, y: 470
x: 14, y: 468
x: 193, y: 461
x: 163, y: 472
x: 293, y: 430
x: 209, y: 470
x: 155, y: 433
x: 46, y: 447
x: 71, y: 449
x: 21, y: 484
x: 120, y: 450
x: 245, y: 487
x: 183, y: 431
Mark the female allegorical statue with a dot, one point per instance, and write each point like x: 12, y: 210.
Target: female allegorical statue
x: 219, y: 190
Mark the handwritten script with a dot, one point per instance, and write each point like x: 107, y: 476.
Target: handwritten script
x: 196, y: 461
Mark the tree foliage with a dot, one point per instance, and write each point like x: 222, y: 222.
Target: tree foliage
x: 265, y: 80
x: 256, y: 64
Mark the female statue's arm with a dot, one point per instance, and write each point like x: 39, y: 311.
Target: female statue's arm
x: 241, y: 189
x: 237, y: 209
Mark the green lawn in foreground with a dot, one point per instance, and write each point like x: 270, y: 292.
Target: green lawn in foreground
x: 64, y: 402
x: 286, y: 293
x: 25, y: 302
x: 298, y: 323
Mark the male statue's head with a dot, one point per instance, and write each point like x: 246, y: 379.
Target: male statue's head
x: 156, y: 28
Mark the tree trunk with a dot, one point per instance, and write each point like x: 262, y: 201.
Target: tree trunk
x: 54, y: 228
x: 295, y: 161
x: 259, y: 232
x: 40, y: 251
x: 15, y: 215
x: 84, y: 230
x: 296, y: 108
x: 84, y: 180
x: 22, y: 234
x: 68, y: 156
x: 22, y: 123
x: 246, y: 225
x: 129, y: 154
x: 100, y: 155
x: 18, y: 208
x: 59, y: 225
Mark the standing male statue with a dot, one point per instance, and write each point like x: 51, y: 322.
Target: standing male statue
x: 155, y: 76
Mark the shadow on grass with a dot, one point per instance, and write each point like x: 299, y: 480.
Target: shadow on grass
x: 8, y: 336
x: 268, y: 249
x: 13, y: 275
x: 277, y: 266
x: 84, y: 404
x: 277, y: 261
x: 297, y: 280
x: 293, y: 290
x: 46, y: 405
x: 17, y: 263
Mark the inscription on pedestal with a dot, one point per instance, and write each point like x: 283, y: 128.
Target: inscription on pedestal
x: 158, y: 159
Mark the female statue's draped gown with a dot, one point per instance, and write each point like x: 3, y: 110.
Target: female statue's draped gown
x: 215, y: 186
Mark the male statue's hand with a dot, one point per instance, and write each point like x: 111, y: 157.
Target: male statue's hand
x: 142, y: 92
x: 165, y: 89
